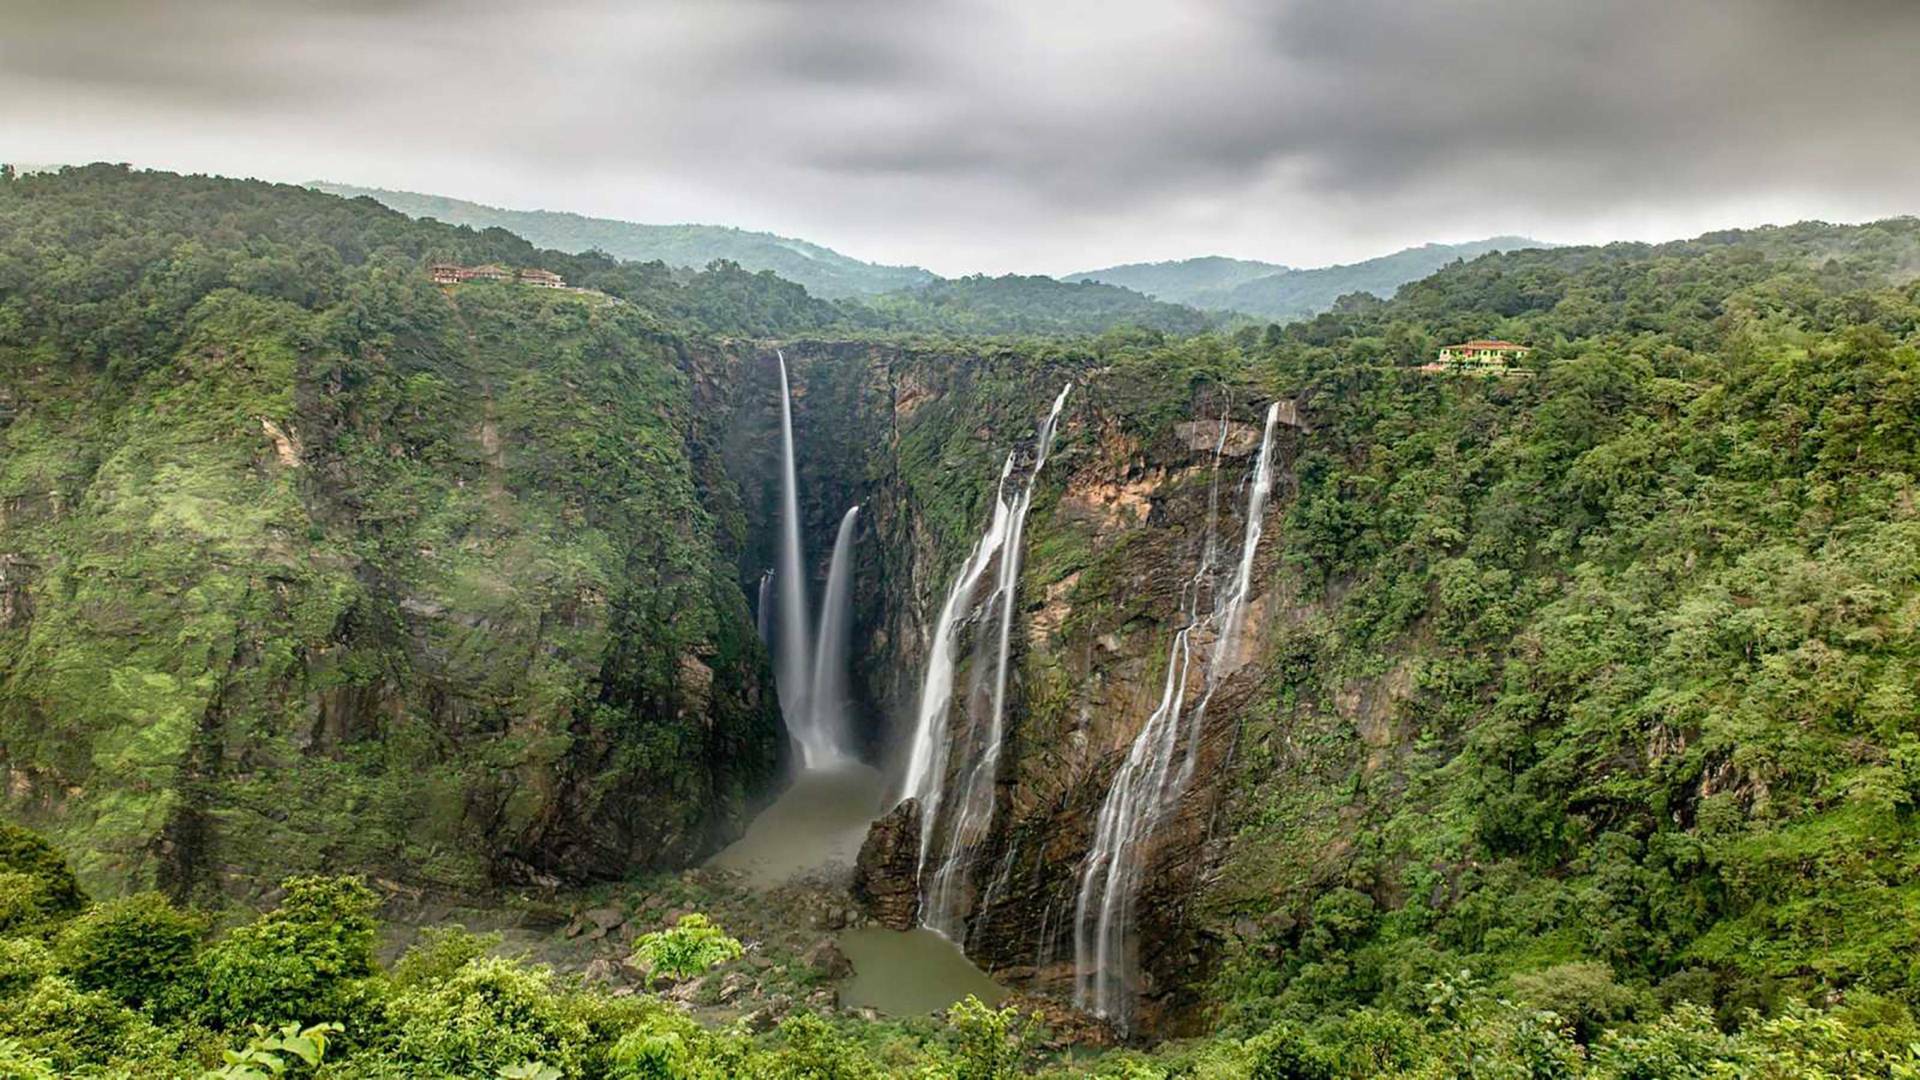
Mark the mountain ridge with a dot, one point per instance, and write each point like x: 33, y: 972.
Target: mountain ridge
x: 823, y: 271
x: 1290, y: 292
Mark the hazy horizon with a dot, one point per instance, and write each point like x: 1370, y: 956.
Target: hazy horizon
x: 987, y: 136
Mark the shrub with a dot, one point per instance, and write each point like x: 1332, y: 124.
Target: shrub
x: 441, y: 951
x: 1682, y: 1045
x: 1282, y: 1052
x: 35, y: 882
x: 19, y: 1063
x: 992, y: 1041
x: 140, y: 950
x: 22, y: 962
x: 691, y: 947
x: 1582, y: 993
x: 295, y: 963
x: 492, y: 1013
x: 69, y: 1027
x: 812, y: 1049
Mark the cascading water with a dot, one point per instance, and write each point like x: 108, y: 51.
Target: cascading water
x: 950, y: 834
x: 827, y: 694
x: 763, y: 608
x: 810, y: 676
x: 793, y: 654
x: 1147, y: 787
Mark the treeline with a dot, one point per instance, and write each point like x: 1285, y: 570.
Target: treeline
x: 1605, y: 689
x: 137, y: 987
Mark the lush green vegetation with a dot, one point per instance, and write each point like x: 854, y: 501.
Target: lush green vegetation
x: 823, y: 271
x: 1604, y: 683
x: 247, y: 1003
x: 1015, y: 304
x: 286, y: 526
x: 1588, y: 743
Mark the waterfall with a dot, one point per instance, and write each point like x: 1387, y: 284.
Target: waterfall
x: 826, y: 727
x: 1147, y: 788
x: 792, y: 668
x: 763, y: 607
x: 950, y: 834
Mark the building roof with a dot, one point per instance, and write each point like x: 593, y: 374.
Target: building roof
x: 1487, y: 343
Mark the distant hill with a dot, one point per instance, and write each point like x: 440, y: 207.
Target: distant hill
x: 1180, y: 280
x: 1282, y: 293
x: 1031, y: 304
x: 1297, y: 294
x: 823, y: 271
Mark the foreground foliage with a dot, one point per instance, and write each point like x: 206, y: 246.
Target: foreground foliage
x: 296, y: 992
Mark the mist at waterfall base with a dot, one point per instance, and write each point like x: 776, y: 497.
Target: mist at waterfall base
x: 952, y: 763
x: 817, y: 825
x: 1147, y: 789
x: 815, y: 713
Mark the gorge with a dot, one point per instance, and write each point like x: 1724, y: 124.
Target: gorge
x: 1259, y: 690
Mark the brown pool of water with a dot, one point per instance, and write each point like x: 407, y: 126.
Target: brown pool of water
x: 911, y: 972
x: 819, y: 821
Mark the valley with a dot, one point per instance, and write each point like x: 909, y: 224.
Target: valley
x: 1227, y: 700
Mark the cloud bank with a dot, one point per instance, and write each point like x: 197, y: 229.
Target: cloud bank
x: 997, y: 134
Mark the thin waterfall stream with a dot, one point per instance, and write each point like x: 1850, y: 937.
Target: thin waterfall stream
x: 951, y: 833
x: 1147, y: 788
x: 818, y: 823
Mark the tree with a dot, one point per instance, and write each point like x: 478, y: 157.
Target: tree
x: 690, y: 948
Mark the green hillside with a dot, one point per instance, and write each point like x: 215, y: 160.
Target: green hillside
x: 1576, y: 734
x: 1280, y: 293
x: 285, y: 525
x: 1180, y: 280
x: 1016, y: 304
x: 824, y: 272
x: 1297, y: 294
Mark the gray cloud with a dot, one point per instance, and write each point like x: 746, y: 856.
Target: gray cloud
x: 1003, y: 134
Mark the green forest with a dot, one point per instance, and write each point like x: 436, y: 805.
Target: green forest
x: 1586, y: 743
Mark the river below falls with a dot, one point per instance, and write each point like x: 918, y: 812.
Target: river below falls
x: 818, y: 823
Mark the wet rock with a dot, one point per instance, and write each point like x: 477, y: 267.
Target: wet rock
x: 826, y: 958
x: 825, y: 999
x: 1064, y: 1025
x: 886, y: 877
x: 768, y: 1016
x: 733, y: 985
x: 601, y: 921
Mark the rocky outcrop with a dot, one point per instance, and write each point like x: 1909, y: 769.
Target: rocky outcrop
x: 886, y: 877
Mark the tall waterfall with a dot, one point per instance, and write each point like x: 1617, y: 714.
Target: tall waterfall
x: 950, y: 833
x: 793, y: 660
x: 1147, y: 788
x: 826, y: 724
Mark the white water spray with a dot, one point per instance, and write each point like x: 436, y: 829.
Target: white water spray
x: 763, y: 608
x: 793, y: 672
x: 950, y: 835
x: 826, y: 725
x: 1147, y: 788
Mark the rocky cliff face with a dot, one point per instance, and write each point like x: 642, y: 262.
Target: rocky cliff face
x: 436, y: 596
x: 1115, y: 533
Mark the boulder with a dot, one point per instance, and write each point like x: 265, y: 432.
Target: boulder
x: 886, y: 876
x: 826, y: 958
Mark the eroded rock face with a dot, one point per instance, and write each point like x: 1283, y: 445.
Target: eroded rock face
x: 886, y: 877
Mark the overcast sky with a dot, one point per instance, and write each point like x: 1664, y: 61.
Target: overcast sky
x: 1031, y: 135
